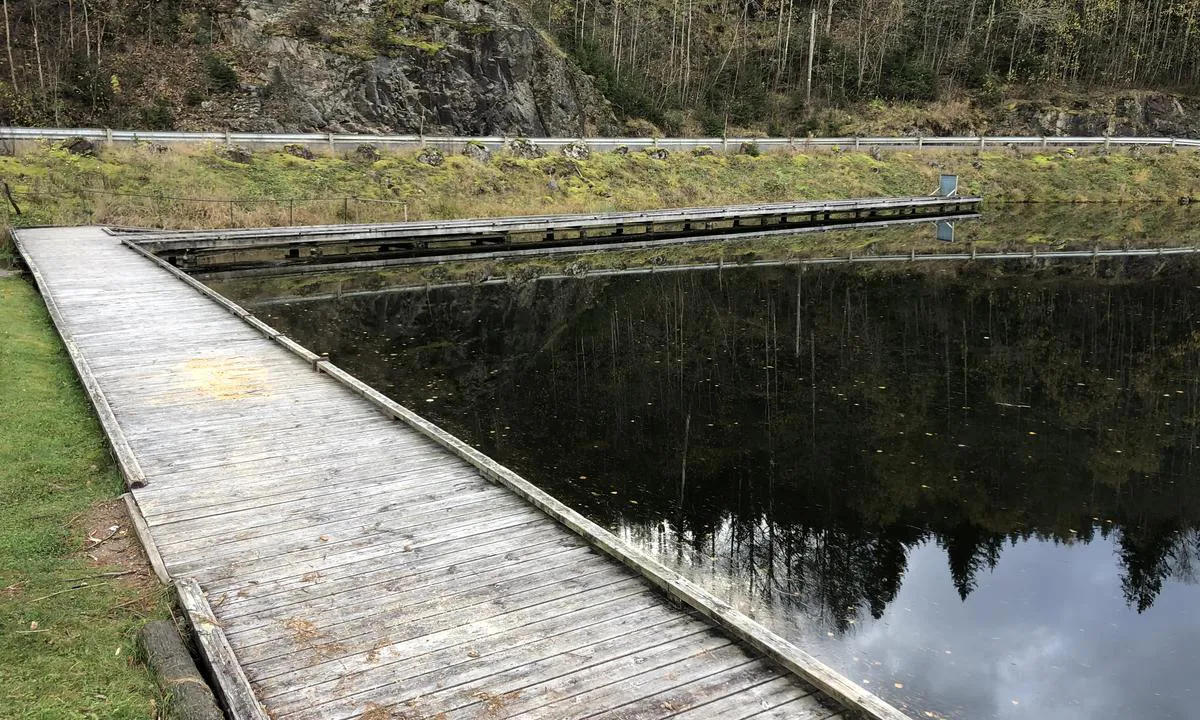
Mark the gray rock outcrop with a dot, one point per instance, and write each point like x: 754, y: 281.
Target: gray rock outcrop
x: 466, y: 67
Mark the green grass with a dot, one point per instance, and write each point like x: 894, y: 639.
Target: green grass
x: 79, y: 659
x: 55, y: 187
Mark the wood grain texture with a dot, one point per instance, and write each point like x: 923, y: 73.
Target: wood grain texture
x: 338, y: 554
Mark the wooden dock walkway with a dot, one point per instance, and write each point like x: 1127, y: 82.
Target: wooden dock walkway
x: 437, y: 240
x: 357, y: 566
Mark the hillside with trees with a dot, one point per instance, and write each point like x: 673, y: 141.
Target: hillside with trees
x: 743, y: 62
x: 778, y: 67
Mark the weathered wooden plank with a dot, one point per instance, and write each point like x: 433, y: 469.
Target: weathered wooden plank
x: 509, y: 672
x: 234, y: 525
x: 250, y: 601
x: 247, y: 530
x: 235, y: 690
x: 318, y: 555
x: 371, y: 667
x: 147, y: 539
x: 800, y: 709
x: 237, y: 488
x: 262, y: 559
x: 614, y: 681
x: 350, y: 623
x: 333, y: 482
x: 773, y: 693
x: 482, y: 657
x: 325, y: 605
x: 733, y: 681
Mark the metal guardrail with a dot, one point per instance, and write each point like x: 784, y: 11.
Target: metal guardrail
x: 334, y: 141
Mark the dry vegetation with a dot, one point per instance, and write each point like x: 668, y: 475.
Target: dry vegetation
x: 199, y: 188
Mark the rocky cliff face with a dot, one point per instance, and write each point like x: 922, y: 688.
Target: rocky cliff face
x: 1118, y: 114
x: 465, y: 67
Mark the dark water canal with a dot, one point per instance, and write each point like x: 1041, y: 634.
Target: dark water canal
x: 974, y: 489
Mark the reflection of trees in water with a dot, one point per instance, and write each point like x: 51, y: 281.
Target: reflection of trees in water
x: 807, y: 430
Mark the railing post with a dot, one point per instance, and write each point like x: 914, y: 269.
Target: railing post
x: 980, y: 142
x: 1107, y: 141
x: 329, y: 138
x: 1044, y: 143
x: 108, y: 141
x: 920, y: 141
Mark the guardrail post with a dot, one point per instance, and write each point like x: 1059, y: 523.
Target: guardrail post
x: 980, y: 142
x: 108, y: 137
x: 228, y: 138
x: 1107, y: 141
x: 1172, y: 142
x: 724, y: 145
x: 856, y: 143
x: 920, y: 141
x: 792, y: 144
x: 1044, y: 143
x: 329, y: 137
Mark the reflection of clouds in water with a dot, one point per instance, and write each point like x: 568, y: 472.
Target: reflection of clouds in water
x: 1049, y: 627
x: 1063, y: 645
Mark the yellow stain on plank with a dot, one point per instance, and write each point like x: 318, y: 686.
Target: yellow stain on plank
x: 230, y: 378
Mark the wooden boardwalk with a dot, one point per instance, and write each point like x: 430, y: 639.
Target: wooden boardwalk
x: 355, y: 567
x: 382, y: 244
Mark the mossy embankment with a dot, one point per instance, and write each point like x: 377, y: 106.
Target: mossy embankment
x: 198, y: 187
x: 73, y: 591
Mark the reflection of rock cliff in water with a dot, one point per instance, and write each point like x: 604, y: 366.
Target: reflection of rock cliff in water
x: 469, y: 67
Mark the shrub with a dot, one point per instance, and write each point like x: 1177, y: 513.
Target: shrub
x: 222, y: 76
x: 158, y: 117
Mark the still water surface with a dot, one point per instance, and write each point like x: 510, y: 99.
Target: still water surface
x: 973, y: 489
